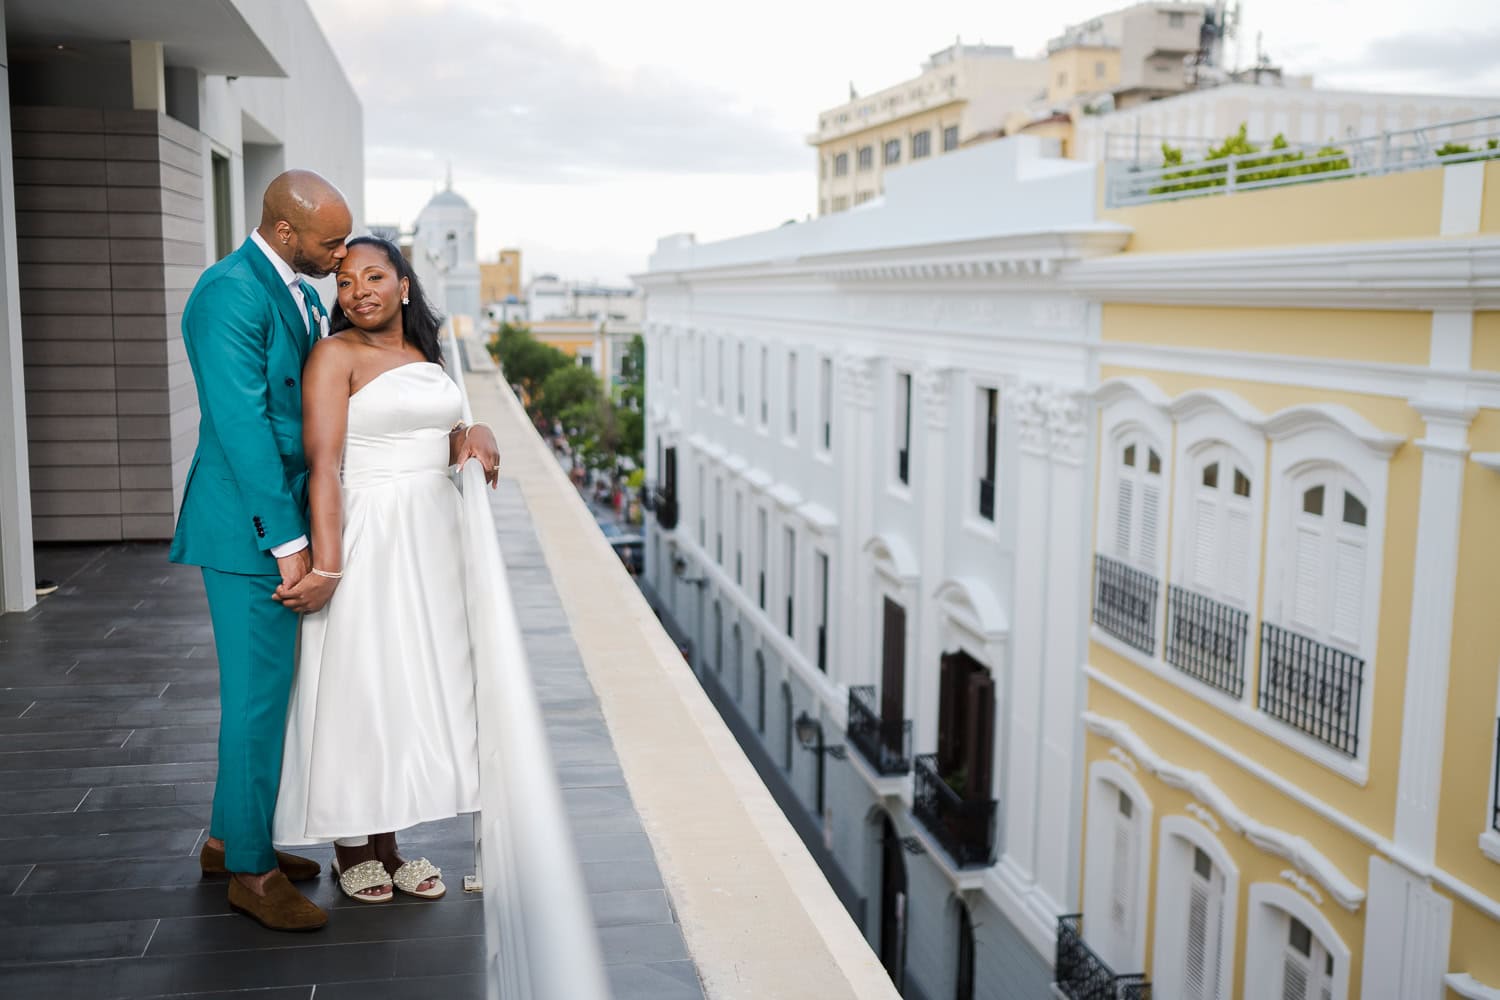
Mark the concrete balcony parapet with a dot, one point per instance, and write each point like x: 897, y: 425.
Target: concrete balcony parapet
x: 758, y: 916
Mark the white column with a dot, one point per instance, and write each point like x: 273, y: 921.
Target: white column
x: 1444, y: 450
x: 854, y: 450
x: 17, y: 580
x: 1023, y: 750
x: 933, y: 387
x: 1069, y: 505
x: 148, y: 77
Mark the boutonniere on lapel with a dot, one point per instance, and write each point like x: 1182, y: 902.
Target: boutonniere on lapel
x: 322, y: 325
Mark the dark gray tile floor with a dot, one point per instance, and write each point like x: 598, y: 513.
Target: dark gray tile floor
x: 108, y: 717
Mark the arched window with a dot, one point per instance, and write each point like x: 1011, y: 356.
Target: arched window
x: 1292, y: 951
x: 1116, y: 865
x: 1325, y: 576
x: 736, y: 645
x: 1138, y: 500
x: 718, y: 638
x: 760, y: 692
x: 786, y: 726
x: 1197, y: 885
x: 1219, y: 557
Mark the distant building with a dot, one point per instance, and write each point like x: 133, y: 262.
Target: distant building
x: 445, y: 253
x: 501, y: 281
x: 964, y: 93
x: 593, y: 323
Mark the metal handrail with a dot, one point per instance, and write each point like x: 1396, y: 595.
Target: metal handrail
x: 965, y: 827
x: 1206, y: 639
x: 540, y: 939
x: 1130, y: 183
x: 1311, y: 686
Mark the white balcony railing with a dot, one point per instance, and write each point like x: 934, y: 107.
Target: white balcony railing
x: 1137, y: 175
x: 539, y: 931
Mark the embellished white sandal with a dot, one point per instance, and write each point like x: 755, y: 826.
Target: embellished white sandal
x: 414, y: 873
x: 365, y: 875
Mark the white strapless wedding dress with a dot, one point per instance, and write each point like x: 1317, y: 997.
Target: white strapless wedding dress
x: 381, y: 730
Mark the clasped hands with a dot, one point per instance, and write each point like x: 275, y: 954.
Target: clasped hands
x: 302, y: 590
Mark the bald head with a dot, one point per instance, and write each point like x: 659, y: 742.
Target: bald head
x: 305, y: 220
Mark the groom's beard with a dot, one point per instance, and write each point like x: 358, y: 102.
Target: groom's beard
x: 303, y: 266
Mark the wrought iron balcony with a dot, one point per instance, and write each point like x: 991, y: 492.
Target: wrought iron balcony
x: 1311, y: 686
x: 886, y: 745
x: 665, y: 506
x: 965, y: 827
x: 1082, y: 975
x: 1206, y: 639
x: 1125, y: 602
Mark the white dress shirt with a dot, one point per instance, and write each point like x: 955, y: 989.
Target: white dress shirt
x: 294, y: 285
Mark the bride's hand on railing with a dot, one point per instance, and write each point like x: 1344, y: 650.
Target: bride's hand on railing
x: 479, y: 443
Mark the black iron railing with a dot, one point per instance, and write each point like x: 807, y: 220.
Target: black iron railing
x: 1311, y: 686
x: 1206, y: 639
x: 987, y: 499
x: 1495, y: 823
x: 665, y: 506
x: 965, y: 827
x: 1082, y: 975
x: 1125, y: 602
x: 886, y: 745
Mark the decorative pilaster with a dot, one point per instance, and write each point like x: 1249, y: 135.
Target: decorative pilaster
x: 932, y: 385
x: 1444, y: 452
x: 853, y: 450
x: 1069, y: 502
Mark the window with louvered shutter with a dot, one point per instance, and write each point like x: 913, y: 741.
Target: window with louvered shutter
x: 1122, y: 881
x: 1205, y: 920
x: 1306, y: 965
x: 1327, y: 574
x: 1219, y: 558
x: 1138, y: 502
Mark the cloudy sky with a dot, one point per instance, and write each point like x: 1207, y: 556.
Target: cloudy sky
x: 582, y: 130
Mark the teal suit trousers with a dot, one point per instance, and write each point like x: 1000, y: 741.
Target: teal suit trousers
x: 256, y: 640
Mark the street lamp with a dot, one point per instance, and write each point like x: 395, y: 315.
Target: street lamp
x: 810, y: 735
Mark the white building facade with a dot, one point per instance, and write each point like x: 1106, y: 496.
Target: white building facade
x: 445, y: 253
x: 869, y: 445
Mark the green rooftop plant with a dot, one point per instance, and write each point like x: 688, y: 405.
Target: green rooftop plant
x: 1279, y: 161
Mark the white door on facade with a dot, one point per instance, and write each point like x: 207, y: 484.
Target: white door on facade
x: 1205, y: 930
x: 1117, y: 946
x: 1307, y: 968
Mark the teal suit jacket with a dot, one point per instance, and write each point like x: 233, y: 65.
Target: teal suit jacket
x: 247, y: 488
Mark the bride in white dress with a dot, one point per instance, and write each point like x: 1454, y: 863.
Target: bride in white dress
x: 381, y: 731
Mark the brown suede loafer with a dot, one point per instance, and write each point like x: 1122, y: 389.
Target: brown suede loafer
x: 211, y: 860
x: 282, y: 908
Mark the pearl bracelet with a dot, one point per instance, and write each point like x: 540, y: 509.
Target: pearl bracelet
x: 324, y: 573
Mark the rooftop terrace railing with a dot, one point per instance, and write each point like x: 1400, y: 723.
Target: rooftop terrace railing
x: 1137, y: 174
x: 540, y: 938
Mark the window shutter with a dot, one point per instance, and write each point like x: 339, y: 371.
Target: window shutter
x: 1307, y: 577
x: 979, y: 737
x: 1348, y: 588
x: 1124, y: 511
x: 1122, y: 891
x: 1206, y: 542
x: 1197, y: 939
x: 1237, y: 554
x: 1150, y: 521
x: 947, y: 712
x: 1293, y: 977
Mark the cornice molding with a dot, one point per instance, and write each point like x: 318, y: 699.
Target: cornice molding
x: 1307, y: 858
x: 1413, y: 274
x: 1024, y: 258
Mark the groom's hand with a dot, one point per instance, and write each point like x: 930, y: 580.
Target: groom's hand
x: 292, y: 569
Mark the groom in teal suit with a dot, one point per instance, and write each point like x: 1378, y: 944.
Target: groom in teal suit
x: 248, y: 327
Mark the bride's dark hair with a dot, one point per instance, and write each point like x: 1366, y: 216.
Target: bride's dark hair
x: 420, y: 323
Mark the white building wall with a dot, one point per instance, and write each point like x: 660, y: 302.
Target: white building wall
x: 958, y: 300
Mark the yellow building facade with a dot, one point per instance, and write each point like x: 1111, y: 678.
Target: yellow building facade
x: 1294, y: 658
x: 500, y: 281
